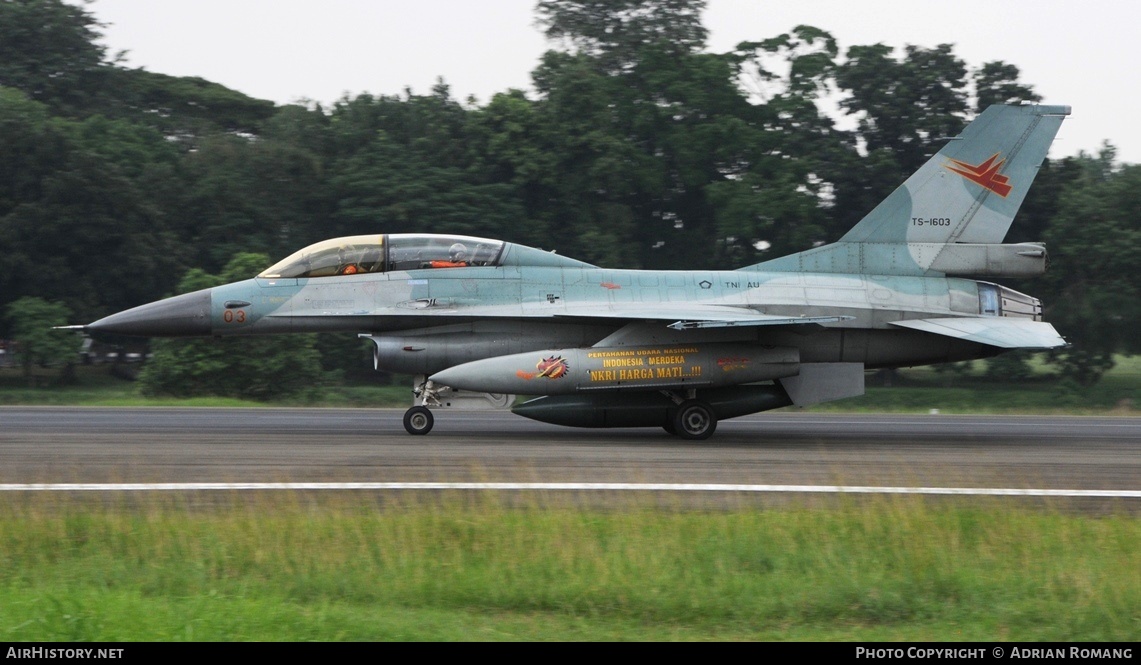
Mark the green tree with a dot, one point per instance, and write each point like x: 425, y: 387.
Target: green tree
x: 1010, y: 367
x: 613, y: 32
x: 598, y: 171
x: 1041, y: 205
x: 77, y: 223
x: 48, y: 49
x: 31, y: 320
x: 184, y: 109
x: 260, y: 368
x: 1094, y: 297
x: 515, y: 142
x: 241, y: 195
x: 784, y: 153
x: 412, y: 165
x: 997, y: 83
x: 658, y: 158
x: 905, y: 109
x: 906, y: 105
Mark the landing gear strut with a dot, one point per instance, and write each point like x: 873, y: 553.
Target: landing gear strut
x: 429, y: 396
x: 418, y: 419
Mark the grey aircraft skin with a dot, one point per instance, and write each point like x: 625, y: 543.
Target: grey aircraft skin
x: 478, y: 321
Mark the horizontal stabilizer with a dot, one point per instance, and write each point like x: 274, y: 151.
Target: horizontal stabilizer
x: 1003, y: 332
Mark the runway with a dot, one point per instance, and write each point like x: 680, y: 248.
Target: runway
x: 205, y: 445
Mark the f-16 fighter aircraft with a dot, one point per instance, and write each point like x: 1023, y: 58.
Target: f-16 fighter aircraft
x: 602, y: 347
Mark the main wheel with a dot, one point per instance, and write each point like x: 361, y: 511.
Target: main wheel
x: 418, y: 420
x: 694, y: 419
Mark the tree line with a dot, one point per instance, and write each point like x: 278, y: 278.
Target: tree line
x: 637, y: 148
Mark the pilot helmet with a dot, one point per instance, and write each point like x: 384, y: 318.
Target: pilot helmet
x: 458, y: 252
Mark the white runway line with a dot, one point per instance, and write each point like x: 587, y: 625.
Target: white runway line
x: 619, y: 487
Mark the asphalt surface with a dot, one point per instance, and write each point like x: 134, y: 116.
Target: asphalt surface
x: 102, y: 445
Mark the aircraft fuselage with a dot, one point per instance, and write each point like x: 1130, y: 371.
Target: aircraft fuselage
x: 463, y: 314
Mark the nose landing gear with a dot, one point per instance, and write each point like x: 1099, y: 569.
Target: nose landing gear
x: 419, y: 420
x: 428, y: 395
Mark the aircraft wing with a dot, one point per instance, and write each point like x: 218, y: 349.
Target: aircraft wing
x: 688, y: 316
x: 1004, y: 332
x: 680, y: 316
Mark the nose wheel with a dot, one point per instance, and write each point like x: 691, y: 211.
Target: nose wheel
x: 418, y: 420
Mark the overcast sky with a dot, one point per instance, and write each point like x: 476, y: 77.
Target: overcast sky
x: 1076, y: 53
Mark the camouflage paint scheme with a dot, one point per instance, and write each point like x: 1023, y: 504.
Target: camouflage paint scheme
x: 894, y: 291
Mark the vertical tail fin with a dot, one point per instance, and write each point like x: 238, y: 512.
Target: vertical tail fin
x: 966, y: 195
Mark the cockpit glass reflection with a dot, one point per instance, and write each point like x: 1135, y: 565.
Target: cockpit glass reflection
x: 355, y: 255
x: 415, y: 252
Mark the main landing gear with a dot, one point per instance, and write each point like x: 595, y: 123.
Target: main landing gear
x: 692, y: 419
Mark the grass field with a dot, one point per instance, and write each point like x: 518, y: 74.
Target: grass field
x: 296, y: 567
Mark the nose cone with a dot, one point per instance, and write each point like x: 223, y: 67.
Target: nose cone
x: 187, y: 315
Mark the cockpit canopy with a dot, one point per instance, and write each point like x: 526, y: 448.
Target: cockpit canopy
x: 354, y: 255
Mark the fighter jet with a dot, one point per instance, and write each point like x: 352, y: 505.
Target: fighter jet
x: 601, y: 347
